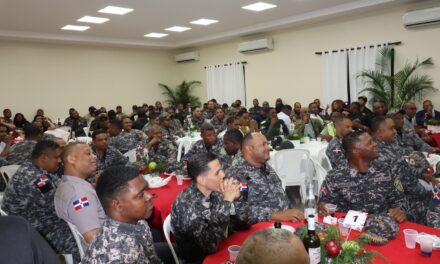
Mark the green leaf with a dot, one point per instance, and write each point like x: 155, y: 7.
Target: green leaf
x: 181, y: 94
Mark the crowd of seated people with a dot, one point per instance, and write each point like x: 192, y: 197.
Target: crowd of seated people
x: 96, y: 187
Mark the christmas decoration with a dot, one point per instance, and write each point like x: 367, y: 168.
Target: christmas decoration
x: 333, y: 248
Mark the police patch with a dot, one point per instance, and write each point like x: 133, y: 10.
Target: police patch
x: 43, y: 184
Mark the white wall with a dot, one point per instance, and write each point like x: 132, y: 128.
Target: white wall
x: 56, y: 77
x: 292, y: 71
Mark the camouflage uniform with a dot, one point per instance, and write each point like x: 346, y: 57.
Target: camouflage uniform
x: 199, y: 147
x: 255, y: 111
x: 195, y: 122
x: 30, y: 194
x: 126, y: 141
x: 407, y: 138
x: 76, y: 125
x: 335, y: 152
x: 112, y: 157
x: 433, y: 215
x: 20, y: 153
x: 200, y: 225
x: 265, y: 193
x: 166, y: 153
x: 208, y: 113
x: 219, y: 125
x: 227, y: 160
x: 417, y: 198
x: 271, y: 131
x: 372, y: 192
x: 119, y: 242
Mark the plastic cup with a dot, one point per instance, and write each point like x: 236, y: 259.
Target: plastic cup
x: 331, y: 209
x: 410, y: 237
x: 179, y: 179
x: 306, y: 140
x: 233, y: 252
x: 426, y: 244
x: 342, y: 228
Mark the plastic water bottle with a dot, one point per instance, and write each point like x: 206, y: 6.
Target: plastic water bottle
x: 310, y: 204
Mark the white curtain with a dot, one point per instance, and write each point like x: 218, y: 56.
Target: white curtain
x: 334, y: 81
x: 366, y: 58
x: 226, y: 83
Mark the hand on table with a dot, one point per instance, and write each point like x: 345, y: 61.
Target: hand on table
x: 293, y: 215
x: 322, y: 211
x: 397, y: 214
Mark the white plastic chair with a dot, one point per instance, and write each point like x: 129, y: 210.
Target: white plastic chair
x: 8, y: 171
x: 79, y: 239
x: 86, y: 140
x: 324, y: 161
x: 184, y: 145
x: 3, y: 213
x: 86, y: 130
x: 294, y: 167
x: 131, y: 154
x: 61, y: 133
x: 320, y: 174
x: 65, y: 128
x: 167, y: 229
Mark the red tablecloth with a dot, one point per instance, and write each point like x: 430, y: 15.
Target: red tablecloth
x: 436, y: 140
x: 395, y: 250
x: 164, y: 200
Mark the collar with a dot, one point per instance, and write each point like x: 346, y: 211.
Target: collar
x: 75, y: 179
x: 128, y: 229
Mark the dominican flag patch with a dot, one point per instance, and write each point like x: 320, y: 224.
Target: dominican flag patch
x: 324, y: 190
x: 243, y: 187
x: 80, y: 203
x: 436, y: 194
x: 43, y: 184
x: 336, y: 150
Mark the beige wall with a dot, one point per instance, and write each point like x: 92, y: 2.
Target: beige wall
x: 57, y: 77
x: 293, y: 72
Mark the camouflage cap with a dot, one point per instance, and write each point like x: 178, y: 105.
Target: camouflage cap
x: 379, y: 229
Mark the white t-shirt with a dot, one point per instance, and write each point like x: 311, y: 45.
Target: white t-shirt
x: 286, y: 119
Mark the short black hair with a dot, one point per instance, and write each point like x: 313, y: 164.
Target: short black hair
x: 97, y: 132
x: 286, y: 107
x: 376, y: 122
x: 198, y: 164
x: 32, y: 131
x: 233, y: 135
x: 363, y: 98
x: 116, y: 123
x: 241, y: 112
x: 112, y: 182
x: 44, y: 147
x: 247, y: 139
x: 230, y: 120
x: 357, y: 104
x: 350, y: 140
x: 206, y: 127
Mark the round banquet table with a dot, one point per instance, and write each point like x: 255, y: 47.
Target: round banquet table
x: 395, y: 250
x: 164, y: 200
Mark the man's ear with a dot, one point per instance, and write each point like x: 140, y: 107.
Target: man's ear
x: 116, y: 205
x: 201, y: 180
x: 71, y: 158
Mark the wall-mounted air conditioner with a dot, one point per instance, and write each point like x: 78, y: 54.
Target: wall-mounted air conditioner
x: 188, y: 56
x: 423, y: 17
x: 256, y: 45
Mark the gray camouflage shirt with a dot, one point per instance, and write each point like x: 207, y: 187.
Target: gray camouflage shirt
x: 112, y: 157
x: 126, y: 141
x: 335, y: 152
x: 265, y: 193
x: 30, y: 194
x: 20, y: 153
x: 119, y: 242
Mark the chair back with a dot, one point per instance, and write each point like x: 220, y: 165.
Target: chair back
x: 3, y: 213
x: 324, y: 161
x: 86, y: 140
x: 61, y: 133
x: 294, y: 167
x: 167, y: 229
x: 131, y: 154
x: 79, y: 239
x: 8, y: 171
x: 320, y: 174
x: 86, y: 131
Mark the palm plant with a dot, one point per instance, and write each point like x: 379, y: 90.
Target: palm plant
x: 181, y: 94
x: 404, y: 86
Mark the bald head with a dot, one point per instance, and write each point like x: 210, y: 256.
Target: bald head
x: 255, y: 149
x: 272, y: 245
x: 78, y: 160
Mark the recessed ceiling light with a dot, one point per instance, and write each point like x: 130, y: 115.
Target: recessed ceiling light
x: 260, y: 6
x: 155, y: 35
x: 204, y: 21
x: 178, y: 29
x: 115, y: 10
x: 90, y: 19
x: 75, y: 28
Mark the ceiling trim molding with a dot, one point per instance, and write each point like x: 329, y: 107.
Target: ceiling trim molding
x: 314, y: 16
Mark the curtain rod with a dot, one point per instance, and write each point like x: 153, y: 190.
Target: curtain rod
x: 226, y: 64
x: 371, y: 46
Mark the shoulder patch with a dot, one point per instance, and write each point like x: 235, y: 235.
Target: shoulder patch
x: 80, y: 203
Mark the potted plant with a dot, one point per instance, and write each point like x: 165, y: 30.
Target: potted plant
x: 403, y: 86
x: 181, y: 94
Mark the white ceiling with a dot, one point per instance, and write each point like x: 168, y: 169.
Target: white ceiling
x: 41, y: 20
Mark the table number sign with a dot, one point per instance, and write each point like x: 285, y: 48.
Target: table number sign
x: 355, y: 220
